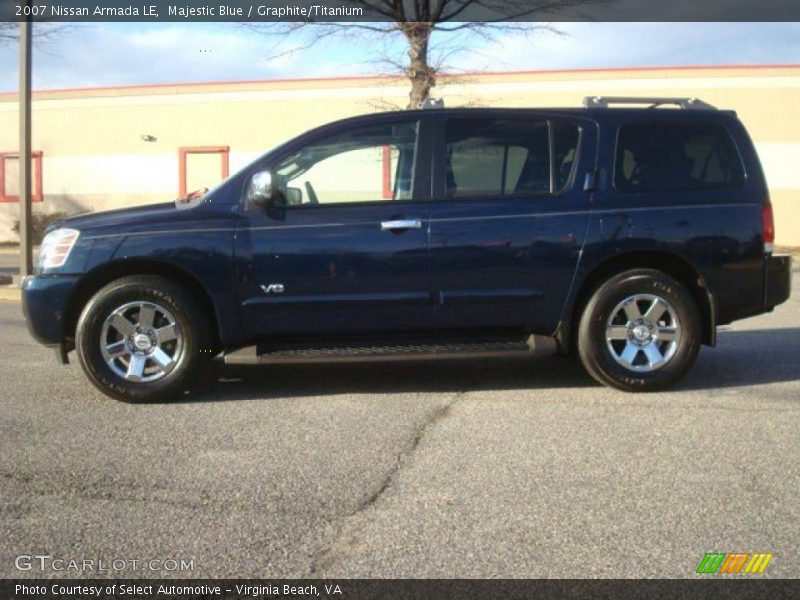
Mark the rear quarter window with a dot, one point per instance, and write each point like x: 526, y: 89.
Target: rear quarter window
x: 676, y: 156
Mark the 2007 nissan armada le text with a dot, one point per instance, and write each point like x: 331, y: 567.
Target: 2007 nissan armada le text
x: 626, y: 234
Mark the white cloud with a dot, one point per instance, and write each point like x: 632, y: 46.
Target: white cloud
x: 98, y: 55
x: 588, y: 45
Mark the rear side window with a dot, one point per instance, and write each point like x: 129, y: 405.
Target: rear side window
x: 671, y: 157
x: 504, y: 157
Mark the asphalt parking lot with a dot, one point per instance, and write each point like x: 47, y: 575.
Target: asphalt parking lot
x: 455, y: 469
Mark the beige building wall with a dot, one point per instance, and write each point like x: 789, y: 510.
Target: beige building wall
x: 94, y: 157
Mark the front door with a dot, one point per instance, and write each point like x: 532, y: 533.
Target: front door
x: 344, y: 251
x: 508, y: 218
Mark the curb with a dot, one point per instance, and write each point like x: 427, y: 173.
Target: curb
x: 10, y: 293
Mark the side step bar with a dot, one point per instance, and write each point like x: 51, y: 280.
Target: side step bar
x: 535, y: 345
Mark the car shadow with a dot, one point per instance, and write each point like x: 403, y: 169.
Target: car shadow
x: 228, y: 382
x: 742, y: 358
x: 745, y: 358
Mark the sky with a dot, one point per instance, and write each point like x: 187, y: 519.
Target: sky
x: 104, y: 54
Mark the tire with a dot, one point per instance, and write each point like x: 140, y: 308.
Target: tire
x: 142, y: 338
x: 620, y: 342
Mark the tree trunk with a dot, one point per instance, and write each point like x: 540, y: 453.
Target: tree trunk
x: 419, y: 72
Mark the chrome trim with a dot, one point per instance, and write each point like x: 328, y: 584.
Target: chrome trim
x: 273, y: 288
x: 401, y: 224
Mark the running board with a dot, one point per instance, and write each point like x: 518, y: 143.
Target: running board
x: 535, y: 345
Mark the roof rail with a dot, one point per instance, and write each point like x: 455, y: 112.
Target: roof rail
x: 432, y: 103
x: 685, y: 103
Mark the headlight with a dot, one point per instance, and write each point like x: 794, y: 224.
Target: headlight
x: 56, y: 247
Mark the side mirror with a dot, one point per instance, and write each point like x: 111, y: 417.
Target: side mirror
x: 261, y: 191
x: 294, y: 196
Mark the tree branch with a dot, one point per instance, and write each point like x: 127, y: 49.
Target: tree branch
x: 418, y: 21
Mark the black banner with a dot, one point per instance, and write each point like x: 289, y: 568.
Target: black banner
x: 398, y: 589
x: 407, y: 10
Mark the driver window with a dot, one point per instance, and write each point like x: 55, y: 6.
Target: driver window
x: 361, y: 165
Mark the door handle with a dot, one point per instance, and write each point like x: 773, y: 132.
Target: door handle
x: 401, y: 224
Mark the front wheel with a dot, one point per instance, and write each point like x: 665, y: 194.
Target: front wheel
x: 141, y: 338
x: 640, y: 331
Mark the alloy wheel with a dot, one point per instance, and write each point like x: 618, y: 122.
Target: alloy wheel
x: 643, y: 332
x: 141, y: 341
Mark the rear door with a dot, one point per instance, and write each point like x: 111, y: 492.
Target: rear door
x: 679, y: 179
x: 347, y: 251
x: 508, y: 217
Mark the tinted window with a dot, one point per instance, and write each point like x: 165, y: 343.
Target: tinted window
x: 676, y: 157
x: 496, y: 157
x: 565, y: 152
x: 362, y: 164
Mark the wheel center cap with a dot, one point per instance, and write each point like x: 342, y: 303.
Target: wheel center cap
x: 142, y: 341
x: 641, y: 332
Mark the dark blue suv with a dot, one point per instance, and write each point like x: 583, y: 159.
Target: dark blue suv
x: 625, y: 234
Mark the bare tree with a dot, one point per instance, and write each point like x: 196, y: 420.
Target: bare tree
x: 417, y: 21
x: 42, y: 32
x: 9, y: 32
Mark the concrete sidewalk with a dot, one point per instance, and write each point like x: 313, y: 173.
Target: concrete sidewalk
x: 10, y: 293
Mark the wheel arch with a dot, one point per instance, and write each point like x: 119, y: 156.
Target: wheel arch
x: 669, y: 263
x: 94, y: 280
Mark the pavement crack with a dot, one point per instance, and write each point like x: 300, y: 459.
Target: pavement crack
x: 419, y: 433
x: 325, y: 557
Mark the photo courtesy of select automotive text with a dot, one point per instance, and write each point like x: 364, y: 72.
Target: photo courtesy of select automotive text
x: 399, y: 299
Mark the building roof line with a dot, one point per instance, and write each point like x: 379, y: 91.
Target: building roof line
x: 344, y: 78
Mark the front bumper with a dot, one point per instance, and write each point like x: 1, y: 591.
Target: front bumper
x: 778, y: 282
x: 45, y: 300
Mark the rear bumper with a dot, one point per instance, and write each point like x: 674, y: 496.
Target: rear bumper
x: 778, y: 280
x: 44, y: 303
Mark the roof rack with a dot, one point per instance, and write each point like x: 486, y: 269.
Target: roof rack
x: 685, y: 103
x: 432, y: 103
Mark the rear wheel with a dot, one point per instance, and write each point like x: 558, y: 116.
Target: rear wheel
x: 141, y: 338
x: 640, y: 331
